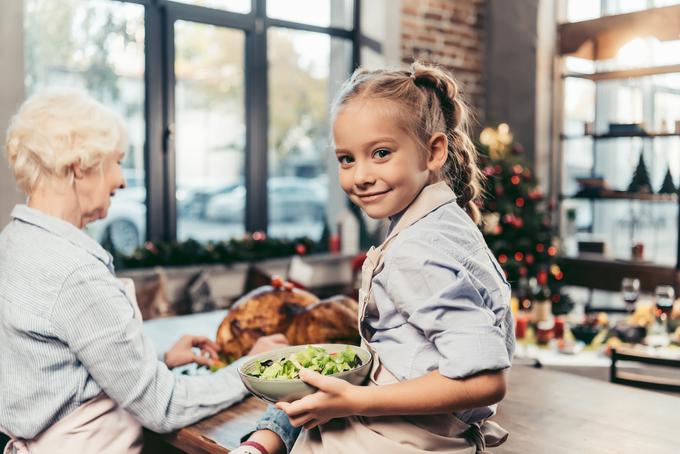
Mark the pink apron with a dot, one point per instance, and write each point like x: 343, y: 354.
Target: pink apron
x: 97, y: 426
x: 443, y: 433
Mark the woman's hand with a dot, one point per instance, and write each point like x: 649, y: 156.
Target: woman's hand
x: 266, y: 343
x: 335, y: 398
x: 183, y: 351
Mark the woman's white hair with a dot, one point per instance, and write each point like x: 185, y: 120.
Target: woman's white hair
x: 57, y: 128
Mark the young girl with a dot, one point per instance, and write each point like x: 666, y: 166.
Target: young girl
x: 434, y: 301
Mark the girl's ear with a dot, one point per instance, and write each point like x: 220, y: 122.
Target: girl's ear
x: 439, y: 152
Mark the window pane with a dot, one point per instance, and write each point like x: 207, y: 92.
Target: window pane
x: 652, y: 101
x: 235, y: 6
x: 621, y: 224
x: 97, y: 45
x: 210, y: 131
x: 643, y: 52
x: 579, y: 65
x: 324, y: 13
x: 579, y: 10
x: 579, y: 102
x: 305, y: 71
x: 577, y: 161
x: 623, y: 6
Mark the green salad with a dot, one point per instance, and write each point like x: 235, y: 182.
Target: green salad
x: 314, y: 358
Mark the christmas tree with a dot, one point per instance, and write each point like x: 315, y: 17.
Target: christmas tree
x: 640, y: 182
x: 516, y: 219
x: 668, y: 186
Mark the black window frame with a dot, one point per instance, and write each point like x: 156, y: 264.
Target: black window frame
x: 159, y: 151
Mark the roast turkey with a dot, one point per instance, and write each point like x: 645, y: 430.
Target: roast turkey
x: 297, y: 314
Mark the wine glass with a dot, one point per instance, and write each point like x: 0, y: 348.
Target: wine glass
x: 630, y: 289
x: 665, y: 296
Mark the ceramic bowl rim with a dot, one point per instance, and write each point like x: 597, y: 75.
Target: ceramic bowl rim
x: 298, y: 380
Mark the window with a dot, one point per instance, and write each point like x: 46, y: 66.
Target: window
x: 97, y: 46
x: 305, y: 71
x: 579, y: 10
x: 237, y: 6
x: 322, y: 13
x: 207, y: 150
x: 639, y: 87
x: 210, y: 131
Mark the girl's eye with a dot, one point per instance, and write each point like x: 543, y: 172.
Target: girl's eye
x: 345, y: 159
x: 382, y: 153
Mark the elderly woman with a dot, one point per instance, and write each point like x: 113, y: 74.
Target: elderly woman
x: 77, y: 372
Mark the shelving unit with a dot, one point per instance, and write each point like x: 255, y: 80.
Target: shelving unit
x: 649, y: 135
x: 598, y: 40
x: 621, y: 195
x: 626, y: 73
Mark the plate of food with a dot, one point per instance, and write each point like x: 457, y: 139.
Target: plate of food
x: 274, y: 376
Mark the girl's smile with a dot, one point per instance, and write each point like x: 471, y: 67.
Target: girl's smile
x: 373, y: 196
x: 382, y: 169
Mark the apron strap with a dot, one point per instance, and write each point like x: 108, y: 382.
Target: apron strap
x: 15, y: 446
x: 485, y: 434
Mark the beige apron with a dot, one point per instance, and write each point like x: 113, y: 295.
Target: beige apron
x: 97, y: 426
x: 442, y: 433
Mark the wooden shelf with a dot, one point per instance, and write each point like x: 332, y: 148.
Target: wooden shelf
x: 600, y: 272
x: 647, y: 135
x: 621, y: 195
x: 601, y: 38
x: 626, y: 73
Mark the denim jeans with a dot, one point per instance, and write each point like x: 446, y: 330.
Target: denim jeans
x: 277, y: 421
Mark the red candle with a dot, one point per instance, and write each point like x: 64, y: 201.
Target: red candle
x: 521, y: 326
x: 334, y: 243
x: 559, y: 327
x: 544, y: 332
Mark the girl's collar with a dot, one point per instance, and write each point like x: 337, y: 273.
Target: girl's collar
x: 440, y: 189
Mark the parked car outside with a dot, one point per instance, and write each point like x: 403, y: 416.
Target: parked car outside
x: 291, y: 199
x: 125, y: 226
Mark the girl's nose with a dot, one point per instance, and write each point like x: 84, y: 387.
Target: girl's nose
x: 363, y: 175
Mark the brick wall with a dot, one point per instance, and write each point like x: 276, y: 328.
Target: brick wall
x: 449, y: 33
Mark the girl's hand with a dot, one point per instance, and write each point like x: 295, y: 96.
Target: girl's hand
x: 183, y: 351
x: 335, y: 398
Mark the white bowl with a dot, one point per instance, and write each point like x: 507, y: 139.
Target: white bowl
x: 276, y: 390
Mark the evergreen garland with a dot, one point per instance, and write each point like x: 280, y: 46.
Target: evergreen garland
x: 251, y: 248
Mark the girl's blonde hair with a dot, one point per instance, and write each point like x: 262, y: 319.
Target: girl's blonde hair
x: 57, y: 128
x: 429, y: 101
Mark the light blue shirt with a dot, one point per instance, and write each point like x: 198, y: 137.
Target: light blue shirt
x: 442, y: 303
x: 68, y: 332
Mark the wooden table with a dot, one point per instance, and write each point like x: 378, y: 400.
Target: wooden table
x: 545, y: 412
